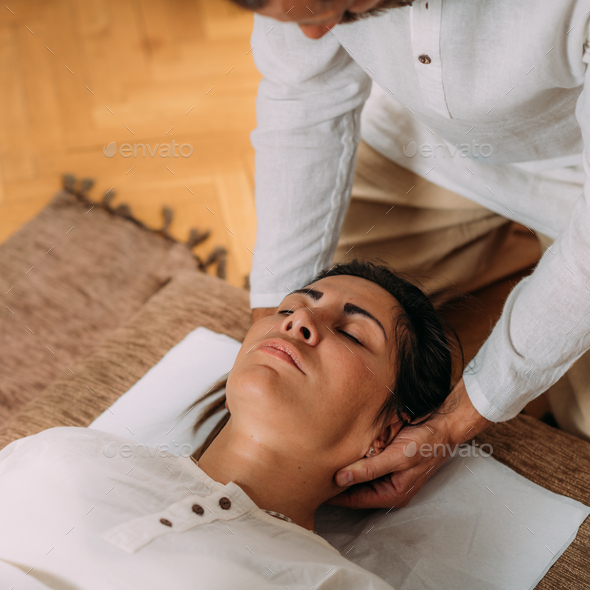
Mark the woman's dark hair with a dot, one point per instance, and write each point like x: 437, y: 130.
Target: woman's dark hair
x: 423, y: 357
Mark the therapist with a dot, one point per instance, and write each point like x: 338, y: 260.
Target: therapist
x: 502, y: 87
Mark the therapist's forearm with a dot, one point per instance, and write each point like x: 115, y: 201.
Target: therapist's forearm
x: 463, y: 421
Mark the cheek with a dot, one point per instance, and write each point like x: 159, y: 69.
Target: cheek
x: 241, y: 373
x: 348, y: 389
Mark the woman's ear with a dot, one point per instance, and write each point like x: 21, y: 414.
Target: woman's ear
x: 385, y: 437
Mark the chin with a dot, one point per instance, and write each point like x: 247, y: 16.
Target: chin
x: 255, y: 383
x: 258, y: 402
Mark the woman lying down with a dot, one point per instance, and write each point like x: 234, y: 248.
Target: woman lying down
x: 330, y: 378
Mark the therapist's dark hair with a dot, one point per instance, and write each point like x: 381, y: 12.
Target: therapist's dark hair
x: 251, y: 4
x: 423, y: 360
x: 347, y: 17
x: 256, y: 4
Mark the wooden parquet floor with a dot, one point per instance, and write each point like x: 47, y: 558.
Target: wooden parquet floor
x: 76, y: 75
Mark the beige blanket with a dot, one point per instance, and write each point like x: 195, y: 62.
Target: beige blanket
x: 68, y: 278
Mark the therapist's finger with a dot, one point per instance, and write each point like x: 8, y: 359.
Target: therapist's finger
x: 382, y: 492
x: 399, y: 455
x: 394, y: 490
x: 370, y: 468
x: 393, y: 477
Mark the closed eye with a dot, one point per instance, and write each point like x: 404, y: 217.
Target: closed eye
x: 349, y: 336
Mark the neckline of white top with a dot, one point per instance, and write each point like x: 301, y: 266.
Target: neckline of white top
x: 281, y: 520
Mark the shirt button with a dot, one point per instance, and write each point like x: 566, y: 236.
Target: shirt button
x: 165, y: 521
x: 198, y: 509
x: 424, y: 59
x: 224, y: 503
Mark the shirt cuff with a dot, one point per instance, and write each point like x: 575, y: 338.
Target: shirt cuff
x: 484, y: 406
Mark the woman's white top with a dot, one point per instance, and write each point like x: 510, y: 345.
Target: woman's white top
x: 81, y: 509
x: 485, y: 98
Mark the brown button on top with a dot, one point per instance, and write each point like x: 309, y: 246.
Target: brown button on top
x: 198, y: 509
x: 225, y: 503
x: 424, y: 59
x: 165, y: 521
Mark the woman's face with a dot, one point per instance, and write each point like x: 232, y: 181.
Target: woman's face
x: 313, y: 377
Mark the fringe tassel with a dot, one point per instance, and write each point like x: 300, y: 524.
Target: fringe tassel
x: 81, y: 188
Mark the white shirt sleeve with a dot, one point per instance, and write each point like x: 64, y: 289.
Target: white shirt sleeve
x: 308, y: 128
x: 545, y: 324
x: 10, y: 448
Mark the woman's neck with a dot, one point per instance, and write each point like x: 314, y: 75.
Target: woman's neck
x: 291, y: 485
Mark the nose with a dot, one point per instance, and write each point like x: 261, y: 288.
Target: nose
x: 301, y: 326
x: 316, y: 31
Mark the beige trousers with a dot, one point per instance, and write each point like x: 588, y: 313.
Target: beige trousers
x: 445, y: 240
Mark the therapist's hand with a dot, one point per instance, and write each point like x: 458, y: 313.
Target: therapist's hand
x: 395, y: 475
x: 261, y: 312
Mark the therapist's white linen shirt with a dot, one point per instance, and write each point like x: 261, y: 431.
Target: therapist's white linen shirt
x: 506, y: 83
x: 81, y: 509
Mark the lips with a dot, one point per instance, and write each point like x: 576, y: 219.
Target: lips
x: 285, y: 347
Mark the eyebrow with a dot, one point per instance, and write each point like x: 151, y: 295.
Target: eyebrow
x: 349, y: 308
